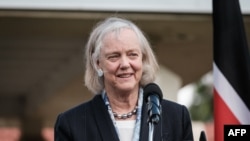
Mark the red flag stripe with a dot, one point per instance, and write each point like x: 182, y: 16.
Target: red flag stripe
x: 230, y: 97
x: 223, y: 116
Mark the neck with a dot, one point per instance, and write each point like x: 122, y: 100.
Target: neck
x: 122, y: 102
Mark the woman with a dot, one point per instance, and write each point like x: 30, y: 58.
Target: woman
x: 119, y: 63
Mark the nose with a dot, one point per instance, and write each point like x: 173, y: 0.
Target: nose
x: 124, y: 63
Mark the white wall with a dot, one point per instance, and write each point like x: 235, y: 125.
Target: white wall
x: 177, y: 6
x: 169, y: 82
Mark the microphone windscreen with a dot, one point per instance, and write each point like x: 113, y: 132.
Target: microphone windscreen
x: 152, y: 89
x: 203, y: 136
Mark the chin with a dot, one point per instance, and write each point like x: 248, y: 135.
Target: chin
x: 127, y: 86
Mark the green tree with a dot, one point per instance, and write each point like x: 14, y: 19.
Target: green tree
x: 202, y: 107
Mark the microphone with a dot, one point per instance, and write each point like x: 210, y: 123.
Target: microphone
x: 203, y: 136
x: 153, y: 98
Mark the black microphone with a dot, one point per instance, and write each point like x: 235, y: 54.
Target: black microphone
x: 153, y: 98
x: 203, y: 136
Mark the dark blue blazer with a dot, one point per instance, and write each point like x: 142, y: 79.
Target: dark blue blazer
x: 91, y: 121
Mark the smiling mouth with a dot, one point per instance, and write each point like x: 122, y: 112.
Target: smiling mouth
x: 127, y: 75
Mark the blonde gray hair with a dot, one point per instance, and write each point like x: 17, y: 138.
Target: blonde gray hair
x: 92, y: 51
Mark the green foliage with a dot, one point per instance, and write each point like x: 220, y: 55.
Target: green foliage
x: 202, y: 106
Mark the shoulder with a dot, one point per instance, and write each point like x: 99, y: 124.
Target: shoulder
x: 74, y: 113
x: 173, y: 107
x: 177, y: 119
x: 171, y: 104
x: 76, y: 121
x: 80, y: 110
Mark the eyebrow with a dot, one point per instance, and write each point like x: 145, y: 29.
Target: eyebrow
x: 117, y: 52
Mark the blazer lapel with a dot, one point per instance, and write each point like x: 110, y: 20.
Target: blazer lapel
x: 144, y: 125
x: 103, y: 120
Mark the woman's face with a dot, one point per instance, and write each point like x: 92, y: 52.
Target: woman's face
x: 121, y: 60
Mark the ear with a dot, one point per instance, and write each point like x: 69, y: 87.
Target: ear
x: 99, y: 69
x: 98, y: 64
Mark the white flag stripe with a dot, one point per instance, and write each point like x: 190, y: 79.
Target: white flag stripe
x: 230, y: 97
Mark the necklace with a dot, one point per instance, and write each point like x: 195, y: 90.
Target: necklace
x: 126, y: 116
x: 138, y: 122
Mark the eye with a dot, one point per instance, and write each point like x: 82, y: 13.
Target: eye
x: 113, y: 57
x: 133, y: 55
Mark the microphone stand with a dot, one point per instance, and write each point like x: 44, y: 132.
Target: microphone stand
x: 152, y: 120
x: 151, y: 131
